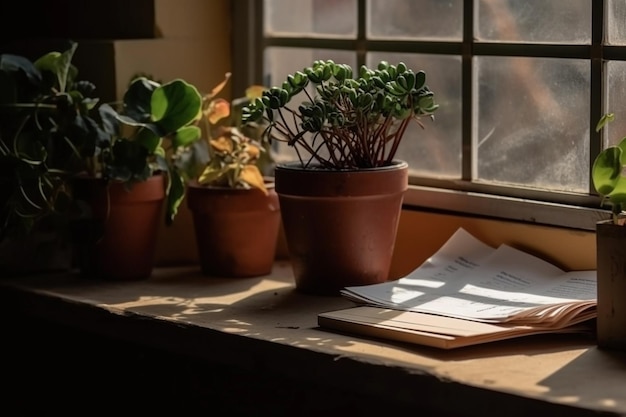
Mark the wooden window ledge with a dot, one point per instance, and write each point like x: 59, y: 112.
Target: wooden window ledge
x: 253, y: 344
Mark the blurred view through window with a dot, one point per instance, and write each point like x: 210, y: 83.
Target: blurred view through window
x: 520, y: 83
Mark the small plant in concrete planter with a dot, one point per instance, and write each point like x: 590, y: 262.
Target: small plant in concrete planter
x: 610, y: 182
x: 341, y: 201
x: 608, y: 174
x: 234, y: 206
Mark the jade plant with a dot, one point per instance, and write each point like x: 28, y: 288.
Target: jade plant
x: 230, y: 155
x: 608, y: 175
x: 335, y: 121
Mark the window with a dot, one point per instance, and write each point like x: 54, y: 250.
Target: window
x: 520, y: 83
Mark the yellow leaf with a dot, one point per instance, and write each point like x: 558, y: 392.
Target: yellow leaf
x: 222, y: 144
x: 253, y: 151
x: 251, y: 175
x: 218, y: 110
x: 254, y: 91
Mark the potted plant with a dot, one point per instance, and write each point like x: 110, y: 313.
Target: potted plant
x: 46, y: 121
x: 70, y: 156
x: 234, y: 206
x: 341, y: 201
x: 132, y: 174
x: 609, y: 181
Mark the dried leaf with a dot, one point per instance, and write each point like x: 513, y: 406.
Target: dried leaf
x: 251, y: 175
x: 218, y: 110
x: 222, y: 144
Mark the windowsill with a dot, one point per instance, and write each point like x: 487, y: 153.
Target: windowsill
x: 264, y: 326
x: 465, y: 203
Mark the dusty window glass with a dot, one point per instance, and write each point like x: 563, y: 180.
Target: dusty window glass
x: 434, y: 151
x: 532, y: 122
x: 536, y: 21
x: 310, y: 18
x: 616, y: 12
x: 431, y: 19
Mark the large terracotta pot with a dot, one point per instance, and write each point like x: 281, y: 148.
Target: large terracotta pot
x: 236, y: 229
x: 340, y: 226
x: 116, y: 234
x: 611, y: 275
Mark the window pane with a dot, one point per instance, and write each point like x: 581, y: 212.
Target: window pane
x: 616, y: 12
x: 280, y: 62
x: 616, y: 98
x: 434, y: 151
x: 532, y: 122
x: 537, y: 21
x: 428, y: 19
x: 310, y: 18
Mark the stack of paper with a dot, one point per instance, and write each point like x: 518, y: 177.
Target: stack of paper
x: 468, y: 293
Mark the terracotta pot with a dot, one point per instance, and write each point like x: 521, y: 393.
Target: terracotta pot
x: 611, y: 275
x: 340, y: 226
x: 236, y: 229
x: 117, y: 237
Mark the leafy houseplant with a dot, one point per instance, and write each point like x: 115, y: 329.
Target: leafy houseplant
x: 133, y: 171
x: 346, y: 132
x: 47, y: 125
x: 54, y: 135
x: 234, y: 206
x: 46, y: 120
x: 610, y: 182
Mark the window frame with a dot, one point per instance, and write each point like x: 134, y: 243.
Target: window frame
x: 457, y: 197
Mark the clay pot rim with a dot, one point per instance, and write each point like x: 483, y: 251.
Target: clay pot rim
x: 396, y: 164
x: 269, y: 184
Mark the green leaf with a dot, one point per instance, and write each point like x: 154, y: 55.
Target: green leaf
x: 606, y: 170
x: 59, y: 64
x: 148, y: 139
x: 175, y: 104
x: 185, y: 136
x: 175, y: 196
x: 137, y: 109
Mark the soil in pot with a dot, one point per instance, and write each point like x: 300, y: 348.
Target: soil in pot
x: 236, y: 229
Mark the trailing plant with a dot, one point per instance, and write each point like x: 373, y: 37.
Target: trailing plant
x: 344, y: 122
x: 52, y: 128
x: 47, y: 125
x: 231, y: 155
x: 608, y: 175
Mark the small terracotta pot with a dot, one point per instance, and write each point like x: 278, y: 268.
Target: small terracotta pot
x: 340, y: 226
x: 236, y: 229
x: 116, y: 239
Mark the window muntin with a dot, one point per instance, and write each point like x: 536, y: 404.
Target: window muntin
x: 575, y: 50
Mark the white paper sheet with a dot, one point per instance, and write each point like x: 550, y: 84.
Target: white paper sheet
x: 468, y: 279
